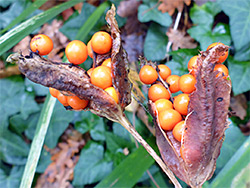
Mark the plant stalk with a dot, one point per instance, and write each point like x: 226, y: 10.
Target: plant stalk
x: 127, y: 125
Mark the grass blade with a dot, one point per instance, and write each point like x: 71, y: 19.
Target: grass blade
x: 130, y: 170
x: 11, y: 38
x: 37, y: 142
x: 24, y: 14
x: 91, y: 21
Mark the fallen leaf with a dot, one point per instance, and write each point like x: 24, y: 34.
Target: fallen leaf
x: 9, y: 71
x: 170, y: 5
x: 238, y: 104
x: 128, y: 8
x: 23, y: 45
x: 245, y: 128
x: 180, y: 40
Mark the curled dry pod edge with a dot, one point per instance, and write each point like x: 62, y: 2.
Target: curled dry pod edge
x: 205, y: 124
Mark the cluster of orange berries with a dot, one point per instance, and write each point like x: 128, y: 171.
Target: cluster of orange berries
x: 77, y: 52
x: 171, y: 114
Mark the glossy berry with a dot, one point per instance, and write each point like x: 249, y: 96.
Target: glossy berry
x: 173, y: 81
x: 187, y: 83
x: 165, y: 71
x: 112, y: 92
x: 90, y: 71
x: 89, y: 48
x: 221, y: 58
x: 62, y: 99
x: 222, y: 68
x: 163, y: 104
x: 54, y: 92
x: 101, y: 42
x: 107, y: 62
x: 42, y: 44
x: 168, y: 119
x: 192, y: 64
x: 178, y: 130
x: 76, y: 103
x: 76, y: 52
x: 148, y: 74
x: 101, y: 77
x: 157, y: 91
x: 181, y: 103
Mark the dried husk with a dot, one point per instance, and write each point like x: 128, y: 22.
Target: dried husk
x: 205, y: 124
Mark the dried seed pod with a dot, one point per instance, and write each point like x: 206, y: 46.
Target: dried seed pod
x: 205, y: 124
x: 74, y: 80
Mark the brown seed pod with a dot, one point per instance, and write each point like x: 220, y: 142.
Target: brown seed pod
x: 205, y: 124
x: 74, y: 80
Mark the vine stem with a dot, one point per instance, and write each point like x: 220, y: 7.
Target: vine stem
x: 127, y: 125
x: 176, y: 24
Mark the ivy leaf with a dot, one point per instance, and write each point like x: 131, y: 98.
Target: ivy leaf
x: 155, y: 42
x: 205, y: 36
x: 91, y: 167
x: 150, y: 12
x: 13, y: 149
x: 13, y: 179
x: 240, y: 72
x: 238, y: 12
x: 40, y: 90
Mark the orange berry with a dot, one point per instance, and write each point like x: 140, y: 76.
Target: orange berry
x: 90, y: 71
x: 107, y: 62
x: 148, y: 74
x: 62, y: 99
x: 192, y: 63
x: 89, y: 48
x: 173, y: 81
x: 221, y: 58
x: 101, y: 42
x: 178, y: 130
x: 76, y: 52
x: 165, y: 71
x: 157, y: 91
x: 187, y: 83
x: 112, y: 92
x: 76, y: 103
x: 163, y: 104
x: 42, y: 44
x: 181, y: 103
x: 168, y: 119
x: 223, y: 71
x: 101, y: 77
x: 54, y: 92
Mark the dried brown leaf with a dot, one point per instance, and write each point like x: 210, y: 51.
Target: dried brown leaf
x: 205, y: 124
x: 238, y: 104
x: 180, y: 40
x: 128, y: 8
x: 9, y: 71
x: 170, y: 5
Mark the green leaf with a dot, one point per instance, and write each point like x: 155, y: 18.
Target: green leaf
x: 39, y: 90
x: 80, y: 27
x: 15, y: 35
x: 34, y: 6
x: 204, y: 15
x: 92, y: 166
x: 233, y: 140
x: 13, y: 148
x: 155, y: 42
x: 236, y: 172
x: 243, y: 54
x: 94, y: 125
x: 206, y: 36
x: 239, y: 19
x: 44, y: 161
x: 239, y: 71
x: 37, y: 142
x: 13, y: 179
x: 150, y: 12
x: 130, y: 170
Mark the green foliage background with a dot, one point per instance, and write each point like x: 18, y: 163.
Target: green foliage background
x: 102, y: 161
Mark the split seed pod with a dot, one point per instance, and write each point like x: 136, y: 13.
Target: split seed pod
x: 205, y: 124
x: 74, y: 80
